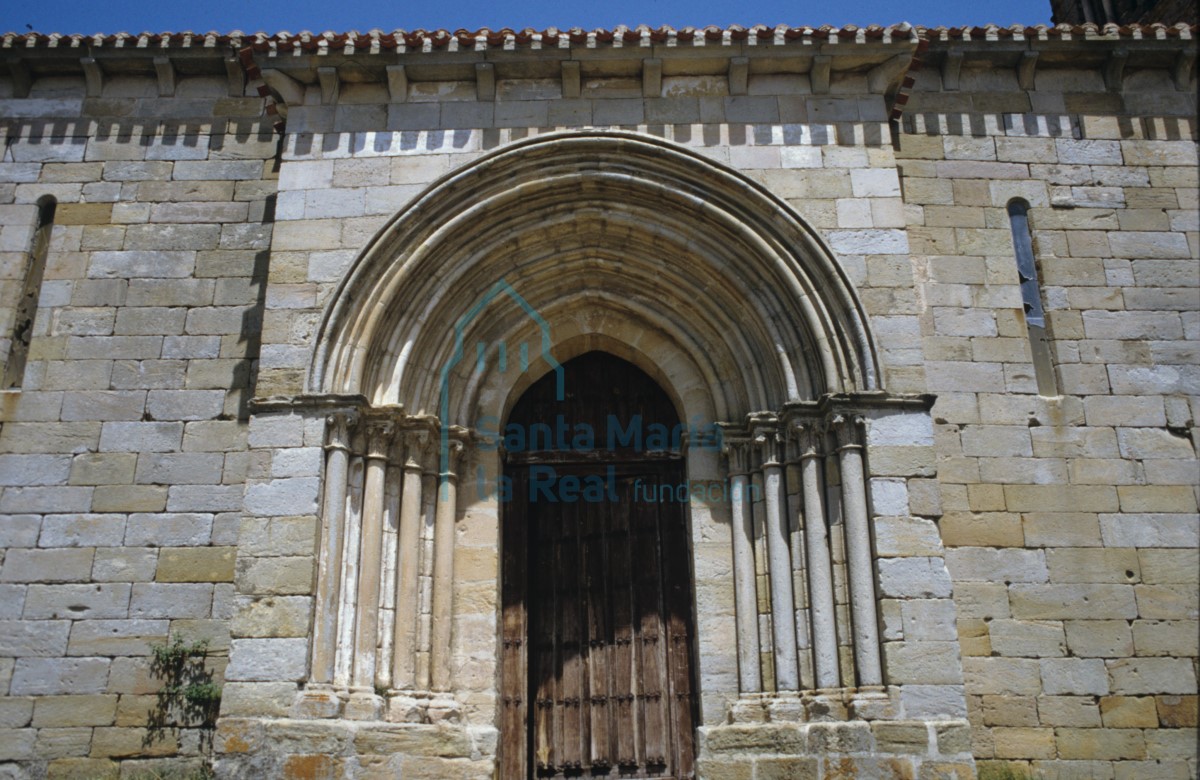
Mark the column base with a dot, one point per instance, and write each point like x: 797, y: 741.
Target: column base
x: 818, y: 706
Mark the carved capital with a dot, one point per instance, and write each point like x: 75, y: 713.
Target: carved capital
x: 339, y: 427
x: 807, y: 437
x: 416, y: 449
x: 769, y: 444
x: 848, y: 429
x: 737, y: 455
x: 453, y: 457
x: 379, y: 438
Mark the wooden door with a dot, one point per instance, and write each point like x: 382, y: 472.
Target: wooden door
x: 597, y: 633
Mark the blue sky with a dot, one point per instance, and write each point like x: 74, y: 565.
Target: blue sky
x: 91, y: 16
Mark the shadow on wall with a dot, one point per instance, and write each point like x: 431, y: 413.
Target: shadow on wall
x: 246, y: 373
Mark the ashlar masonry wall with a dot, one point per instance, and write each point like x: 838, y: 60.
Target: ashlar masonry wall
x: 125, y: 446
x: 1070, y: 521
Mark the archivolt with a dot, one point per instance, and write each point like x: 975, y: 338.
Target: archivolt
x: 626, y: 232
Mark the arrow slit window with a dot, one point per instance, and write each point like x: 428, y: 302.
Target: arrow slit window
x: 1031, y: 298
x: 26, y: 308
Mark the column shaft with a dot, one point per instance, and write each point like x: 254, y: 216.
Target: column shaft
x: 783, y: 616
x: 861, y: 572
x: 404, y: 662
x: 366, y: 635
x: 348, y: 601
x: 443, y: 581
x: 329, y: 565
x: 744, y: 591
x: 820, y: 574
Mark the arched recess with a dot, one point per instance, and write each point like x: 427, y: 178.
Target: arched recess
x: 626, y: 223
x: 566, y: 243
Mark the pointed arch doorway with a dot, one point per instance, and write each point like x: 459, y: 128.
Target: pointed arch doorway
x: 597, y: 666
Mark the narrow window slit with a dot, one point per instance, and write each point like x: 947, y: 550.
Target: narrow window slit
x: 1031, y: 298
x: 26, y: 309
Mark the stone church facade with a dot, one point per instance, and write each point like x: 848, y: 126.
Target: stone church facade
x: 923, y: 302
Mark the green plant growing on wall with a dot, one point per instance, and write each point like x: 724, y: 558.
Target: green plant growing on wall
x: 189, y: 696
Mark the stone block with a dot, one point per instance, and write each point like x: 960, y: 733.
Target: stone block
x: 116, y: 637
x: 143, y: 264
x: 918, y: 577
x: 74, y: 711
x: 196, y: 564
x: 1150, y: 530
x: 180, y: 468
x: 933, y: 702
x: 205, y: 498
x: 103, y: 468
x: 1143, y: 152
x: 18, y: 500
x: 889, y: 497
x: 185, y: 404
x: 20, y: 531
x: 1093, y: 565
x: 1074, y: 676
x: 17, y: 745
x: 868, y: 242
x: 141, y: 436
x: 33, y: 638
x: 150, y: 320
x: 1081, y: 711
x: 258, y: 660
x: 1024, y: 743
x: 1103, y: 743
x: 129, y: 498
x: 990, y: 565
x: 1147, y: 676
x: 1128, y: 712
x: 904, y: 738
x: 168, y: 530
x: 1177, y: 711
x: 1028, y: 638
x: 272, y: 616
x: 55, y: 743
x: 1171, y: 743
x: 1099, y: 638
x: 1012, y: 711
x: 906, y: 536
x: 15, y: 712
x: 157, y: 600
x: 1119, y: 325
x: 82, y: 531
x: 1157, y: 498
x: 232, y: 170
x: 108, y: 742
x: 1170, y: 566
x: 1065, y: 602
x: 277, y: 537
x: 80, y: 768
x: 275, y: 576
x: 297, y: 462
x: 279, y: 497
x: 925, y: 663
x: 23, y: 470
x: 1061, y: 498
x: 276, y: 431
x: 62, y: 565
x: 50, y: 676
